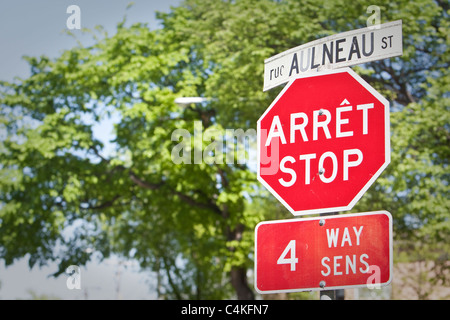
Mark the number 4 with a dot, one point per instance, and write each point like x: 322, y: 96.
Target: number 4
x: 292, y: 260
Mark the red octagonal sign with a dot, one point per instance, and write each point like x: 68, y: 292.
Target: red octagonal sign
x: 323, y: 141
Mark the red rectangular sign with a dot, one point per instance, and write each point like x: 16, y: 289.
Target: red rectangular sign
x: 330, y: 252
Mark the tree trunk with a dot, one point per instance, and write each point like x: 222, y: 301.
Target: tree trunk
x: 239, y: 282
x: 238, y: 274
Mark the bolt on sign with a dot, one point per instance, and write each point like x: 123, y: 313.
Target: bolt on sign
x: 331, y: 252
x: 323, y: 141
x: 336, y: 51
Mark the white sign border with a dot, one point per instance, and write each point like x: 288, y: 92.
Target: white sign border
x: 387, y: 142
x: 318, y: 288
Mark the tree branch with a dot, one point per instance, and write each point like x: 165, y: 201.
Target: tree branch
x: 106, y: 204
x: 185, y: 198
x: 93, y: 148
x: 144, y: 184
x: 210, y: 206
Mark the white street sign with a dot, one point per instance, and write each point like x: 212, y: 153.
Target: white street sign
x: 336, y: 51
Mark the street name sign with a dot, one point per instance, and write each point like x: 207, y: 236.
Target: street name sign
x: 330, y: 252
x: 323, y: 141
x: 335, y: 51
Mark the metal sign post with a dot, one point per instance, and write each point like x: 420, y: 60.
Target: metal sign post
x: 328, y: 295
x: 318, y: 153
x: 331, y: 294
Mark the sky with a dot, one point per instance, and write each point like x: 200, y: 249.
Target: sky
x: 34, y: 28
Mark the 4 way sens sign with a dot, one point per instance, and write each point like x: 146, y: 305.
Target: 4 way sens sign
x: 333, y: 252
x: 323, y: 141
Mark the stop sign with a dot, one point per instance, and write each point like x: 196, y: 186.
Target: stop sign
x: 323, y: 141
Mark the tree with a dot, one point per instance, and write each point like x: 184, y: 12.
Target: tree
x: 192, y: 223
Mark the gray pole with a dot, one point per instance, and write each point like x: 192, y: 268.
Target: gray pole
x: 331, y: 294
x: 328, y: 295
